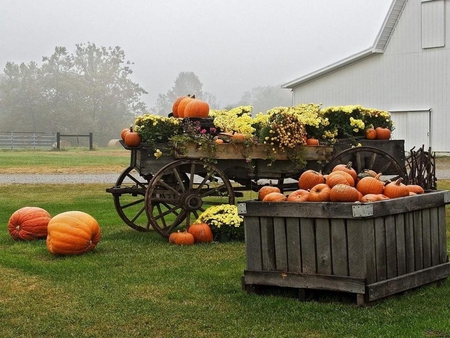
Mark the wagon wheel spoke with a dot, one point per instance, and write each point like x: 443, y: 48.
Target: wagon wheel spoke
x: 129, y: 199
x: 181, y: 191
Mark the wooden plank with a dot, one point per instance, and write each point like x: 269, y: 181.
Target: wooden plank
x: 293, y: 245
x: 406, y: 282
x: 306, y: 281
x: 409, y: 242
x: 308, y: 246
x: 356, y: 254
x: 267, y: 244
x: 380, y: 249
x: 418, y: 241
x: 339, y: 250
x: 253, y: 243
x: 281, y: 256
x: 400, y: 243
x: 434, y: 235
x: 426, y: 238
x: 443, y: 257
x: 370, y: 251
x: 323, y: 247
x: 391, y: 246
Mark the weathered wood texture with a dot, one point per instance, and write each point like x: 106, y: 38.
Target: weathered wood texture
x: 394, y: 246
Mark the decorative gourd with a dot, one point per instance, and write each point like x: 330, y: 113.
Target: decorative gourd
x: 176, y: 103
x: 132, y: 139
x: 370, y: 185
x: 181, y: 238
x: 319, y: 193
x: 72, y: 233
x: 309, y: 179
x: 373, y: 198
x: 340, y: 173
x: 312, y: 141
x: 182, y: 105
x: 202, y: 232
x: 267, y: 189
x: 383, y: 133
x: 396, y: 189
x: 196, y: 108
x: 275, y: 197
x: 371, y: 133
x: 417, y: 189
x: 299, y: 195
x: 344, y: 193
x: 346, y: 168
x: 28, y: 223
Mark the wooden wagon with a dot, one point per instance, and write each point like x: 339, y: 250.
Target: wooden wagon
x: 171, y: 191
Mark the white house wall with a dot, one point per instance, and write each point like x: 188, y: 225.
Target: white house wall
x: 403, y: 78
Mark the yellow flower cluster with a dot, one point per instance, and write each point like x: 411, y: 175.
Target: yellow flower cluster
x: 237, y: 120
x: 221, y: 215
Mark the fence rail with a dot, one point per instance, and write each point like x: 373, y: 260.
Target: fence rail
x: 20, y: 140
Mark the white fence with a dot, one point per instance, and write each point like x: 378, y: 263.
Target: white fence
x: 32, y: 140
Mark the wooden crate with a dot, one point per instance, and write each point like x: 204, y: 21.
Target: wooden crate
x: 373, y: 250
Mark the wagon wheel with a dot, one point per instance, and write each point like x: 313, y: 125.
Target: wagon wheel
x: 180, y: 191
x: 369, y: 158
x: 129, y: 199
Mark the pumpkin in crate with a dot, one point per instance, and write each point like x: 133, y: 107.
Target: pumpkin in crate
x: 28, y: 223
x: 347, y: 168
x: 396, y: 189
x: 309, y: 179
x: 196, y: 108
x: 371, y: 133
x: 370, y: 185
x: 299, y: 195
x: 275, y: 197
x: 383, y: 133
x: 202, y: 232
x: 319, y: 193
x: 344, y: 193
x: 132, y: 139
x: 72, y: 233
x: 267, y: 189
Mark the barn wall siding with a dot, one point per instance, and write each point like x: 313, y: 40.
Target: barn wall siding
x: 404, y: 77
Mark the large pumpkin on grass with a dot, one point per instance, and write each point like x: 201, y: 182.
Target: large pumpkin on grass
x: 29, y: 223
x: 72, y: 233
x: 202, y: 232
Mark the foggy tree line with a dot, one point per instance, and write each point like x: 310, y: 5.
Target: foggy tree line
x: 90, y: 91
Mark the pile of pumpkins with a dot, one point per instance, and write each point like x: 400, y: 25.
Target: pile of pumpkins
x: 189, y: 106
x: 68, y: 233
x: 195, y: 233
x: 343, y: 184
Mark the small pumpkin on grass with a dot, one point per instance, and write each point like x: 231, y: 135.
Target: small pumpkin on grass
x: 181, y: 238
x: 202, y: 232
x: 72, y: 233
x: 29, y: 223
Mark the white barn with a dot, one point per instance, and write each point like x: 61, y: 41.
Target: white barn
x: 406, y: 72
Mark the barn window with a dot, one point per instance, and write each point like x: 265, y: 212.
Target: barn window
x: 433, y: 23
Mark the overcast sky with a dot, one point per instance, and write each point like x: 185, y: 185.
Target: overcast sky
x: 232, y: 46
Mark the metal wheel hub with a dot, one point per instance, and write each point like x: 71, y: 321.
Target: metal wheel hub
x: 191, y: 202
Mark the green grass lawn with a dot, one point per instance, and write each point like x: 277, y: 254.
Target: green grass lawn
x: 135, y: 284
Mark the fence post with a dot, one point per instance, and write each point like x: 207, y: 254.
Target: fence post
x: 58, y: 140
x: 91, y: 141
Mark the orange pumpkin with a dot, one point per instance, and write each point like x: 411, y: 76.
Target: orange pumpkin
x: 275, y: 197
x: 309, y: 179
x: 383, y: 133
x: 132, y: 139
x: 238, y: 137
x: 182, y: 105
x: 319, y: 193
x: 349, y: 178
x: 175, y: 105
x: 299, y: 195
x: 312, y: 141
x: 28, y: 223
x: 344, y: 193
x: 124, y: 132
x: 371, y: 134
x: 370, y: 185
x: 197, y: 108
x: 202, y: 232
x: 415, y: 188
x: 181, y: 238
x: 346, y: 168
x: 267, y: 189
x: 72, y: 233
x: 396, y: 189
x: 373, y: 198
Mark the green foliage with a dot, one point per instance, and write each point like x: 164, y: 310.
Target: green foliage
x: 87, y: 91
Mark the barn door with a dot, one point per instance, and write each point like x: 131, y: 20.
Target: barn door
x: 413, y: 127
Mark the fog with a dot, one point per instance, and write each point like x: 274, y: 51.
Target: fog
x: 232, y: 46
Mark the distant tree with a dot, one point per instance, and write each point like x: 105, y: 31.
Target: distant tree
x: 88, y: 91
x: 265, y: 98
x: 187, y: 83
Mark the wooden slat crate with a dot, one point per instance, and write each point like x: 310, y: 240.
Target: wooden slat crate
x: 373, y: 250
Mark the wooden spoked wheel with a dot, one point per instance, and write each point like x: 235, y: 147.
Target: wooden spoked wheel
x: 179, y: 192
x: 369, y: 158
x: 129, y: 199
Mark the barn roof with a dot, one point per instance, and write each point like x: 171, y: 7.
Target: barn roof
x: 378, y: 46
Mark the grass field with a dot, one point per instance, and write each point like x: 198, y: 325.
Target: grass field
x: 137, y: 285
